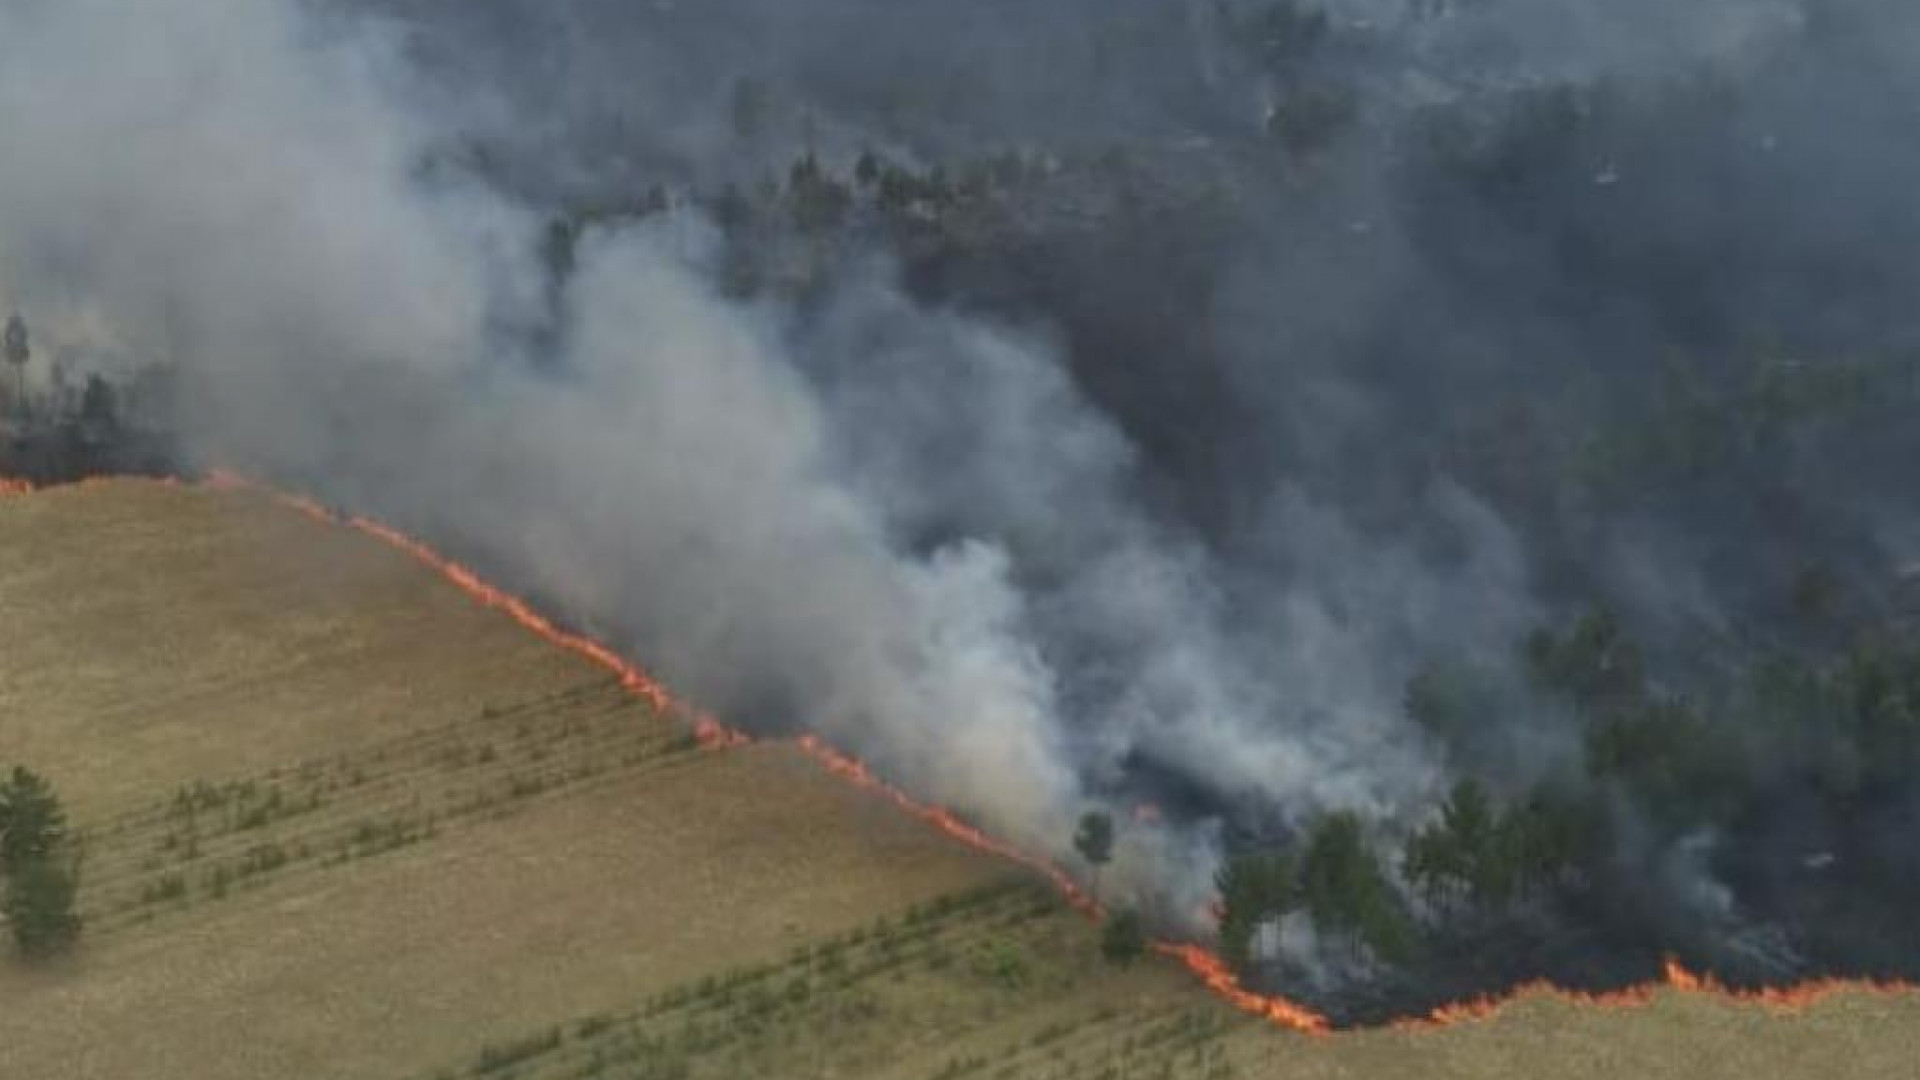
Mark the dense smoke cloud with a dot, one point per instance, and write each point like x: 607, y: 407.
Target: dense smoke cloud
x: 1164, y: 508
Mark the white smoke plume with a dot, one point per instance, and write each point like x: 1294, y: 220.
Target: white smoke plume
x: 242, y: 187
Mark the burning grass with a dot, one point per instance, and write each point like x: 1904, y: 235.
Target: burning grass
x: 273, y: 851
x: 1205, y: 965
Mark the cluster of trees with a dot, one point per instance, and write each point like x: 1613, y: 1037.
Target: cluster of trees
x: 1702, y: 423
x: 1845, y: 725
x: 91, y: 426
x: 815, y: 200
x: 1844, y: 722
x: 1594, y: 662
x: 1853, y: 722
x: 1481, y: 855
x: 1338, y: 879
x: 42, y: 876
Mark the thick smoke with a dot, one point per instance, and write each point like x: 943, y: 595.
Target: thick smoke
x: 1301, y: 361
x: 797, y: 525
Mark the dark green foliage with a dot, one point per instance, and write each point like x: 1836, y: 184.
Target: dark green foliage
x: 42, y: 880
x: 1124, y: 939
x: 1438, y: 699
x: 32, y: 824
x: 1478, y: 853
x: 1700, y: 427
x: 1594, y: 662
x: 1851, y: 723
x: 39, y: 905
x: 1345, y: 890
x: 817, y: 200
x: 1254, y: 889
x: 1550, y: 838
x: 1340, y: 881
x: 1879, y: 693
x: 1814, y: 595
x: 1842, y: 728
x: 1677, y: 763
x: 1003, y: 962
x: 900, y: 190
x: 1093, y: 839
x: 1452, y: 854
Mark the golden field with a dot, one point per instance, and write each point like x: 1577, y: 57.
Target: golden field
x: 341, y: 821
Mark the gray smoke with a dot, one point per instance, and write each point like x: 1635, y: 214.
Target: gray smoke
x: 1171, y: 508
x: 237, y: 188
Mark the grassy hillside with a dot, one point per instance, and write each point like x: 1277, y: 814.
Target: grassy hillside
x: 339, y: 821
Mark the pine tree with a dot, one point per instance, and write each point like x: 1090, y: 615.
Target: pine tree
x: 32, y: 824
x: 41, y: 880
x: 1346, y: 891
x: 39, y: 906
x: 1255, y: 889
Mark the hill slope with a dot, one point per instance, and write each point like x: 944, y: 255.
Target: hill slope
x: 342, y: 822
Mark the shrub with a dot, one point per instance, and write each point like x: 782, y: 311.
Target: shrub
x: 505, y: 1055
x: 1124, y: 938
x: 39, y: 906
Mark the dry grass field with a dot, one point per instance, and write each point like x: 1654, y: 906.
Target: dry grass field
x: 342, y: 822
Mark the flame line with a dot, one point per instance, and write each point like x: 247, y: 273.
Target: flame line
x: 1204, y: 964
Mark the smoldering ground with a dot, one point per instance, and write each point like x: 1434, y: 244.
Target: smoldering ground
x: 1306, y: 353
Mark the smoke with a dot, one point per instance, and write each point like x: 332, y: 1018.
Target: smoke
x: 1304, y: 357
x: 799, y: 525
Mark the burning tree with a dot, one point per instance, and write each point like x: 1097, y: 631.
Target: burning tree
x: 1094, y: 841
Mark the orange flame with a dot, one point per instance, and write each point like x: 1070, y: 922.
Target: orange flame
x: 1205, y: 965
x: 632, y: 678
x: 1486, y: 1006
x: 1219, y: 978
x: 1798, y: 996
x: 856, y: 772
x: 1675, y: 978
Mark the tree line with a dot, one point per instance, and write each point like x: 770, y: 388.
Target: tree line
x: 1845, y: 725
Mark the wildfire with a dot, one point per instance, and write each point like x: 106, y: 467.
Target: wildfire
x: 1219, y: 978
x: 1205, y: 965
x: 1487, y: 1006
x: 1675, y: 978
x: 856, y: 772
x: 635, y: 681
x: 1798, y: 996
